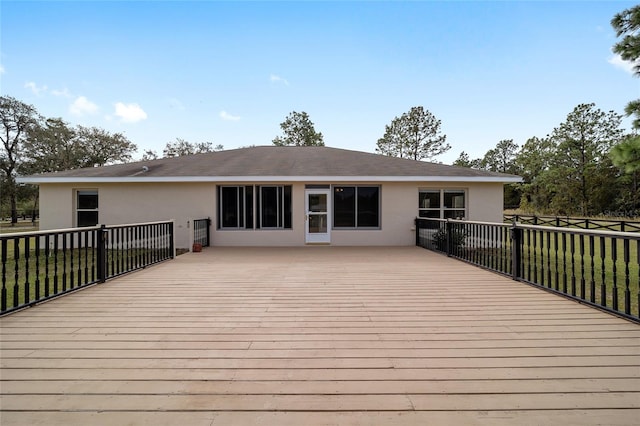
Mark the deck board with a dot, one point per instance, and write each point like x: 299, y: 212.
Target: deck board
x: 317, y: 335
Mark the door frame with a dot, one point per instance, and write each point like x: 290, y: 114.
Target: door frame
x: 317, y: 238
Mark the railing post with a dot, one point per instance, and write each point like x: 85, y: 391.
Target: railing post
x: 208, y: 231
x: 516, y: 251
x: 102, y: 253
x: 417, y: 223
x: 172, y: 246
x: 449, y: 239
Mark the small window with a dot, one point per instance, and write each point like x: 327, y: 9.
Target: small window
x: 87, y: 208
x: 232, y: 207
x: 442, y: 203
x: 356, y: 207
x: 236, y: 207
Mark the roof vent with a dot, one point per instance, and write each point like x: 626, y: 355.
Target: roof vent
x: 145, y: 169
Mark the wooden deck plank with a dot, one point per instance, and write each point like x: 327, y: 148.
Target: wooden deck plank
x: 319, y: 335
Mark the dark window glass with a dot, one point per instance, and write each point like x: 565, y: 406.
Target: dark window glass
x: 269, y: 207
x: 454, y: 199
x: 87, y: 200
x: 231, y: 207
x: 429, y: 200
x: 430, y: 214
x: 87, y: 218
x: 287, y: 207
x: 344, y: 207
x: 248, y: 190
x: 368, y: 206
x: 87, y: 208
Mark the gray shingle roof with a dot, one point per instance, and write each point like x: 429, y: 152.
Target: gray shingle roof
x: 268, y: 161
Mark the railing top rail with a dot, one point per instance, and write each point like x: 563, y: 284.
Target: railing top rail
x: 576, y: 231
x: 47, y: 232
x: 159, y: 222
x: 580, y: 231
x: 576, y: 219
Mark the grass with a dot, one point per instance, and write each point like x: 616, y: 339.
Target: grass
x: 37, y: 273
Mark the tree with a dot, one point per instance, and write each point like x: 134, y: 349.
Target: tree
x: 182, y: 147
x: 17, y: 119
x: 626, y: 156
x: 502, y: 158
x: 581, y: 157
x: 101, y: 147
x: 54, y: 146
x: 298, y: 130
x: 149, y: 155
x: 415, y: 134
x: 464, y: 160
x: 627, y: 25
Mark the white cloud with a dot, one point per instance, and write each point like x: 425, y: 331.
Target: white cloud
x: 82, y: 106
x: 34, y: 87
x: 277, y: 79
x: 620, y: 63
x: 63, y: 93
x: 228, y: 117
x: 130, y: 113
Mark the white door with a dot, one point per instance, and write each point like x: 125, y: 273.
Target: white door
x: 318, y: 218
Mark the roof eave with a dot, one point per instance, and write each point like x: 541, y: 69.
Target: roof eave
x: 258, y: 179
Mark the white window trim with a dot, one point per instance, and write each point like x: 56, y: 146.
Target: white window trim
x: 442, y: 209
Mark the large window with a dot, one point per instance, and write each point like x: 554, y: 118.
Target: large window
x: 442, y: 203
x: 236, y: 207
x: 356, y: 207
x: 275, y: 207
x: 86, y: 208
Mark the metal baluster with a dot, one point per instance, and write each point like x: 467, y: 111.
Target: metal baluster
x: 64, y: 262
x: 3, y: 259
x: 564, y: 263
x: 528, y: 245
x: 535, y: 257
x: 16, y: 258
x: 614, y: 258
x: 79, y: 271
x: 592, y: 286
x: 627, y: 293
x: 573, y: 265
x: 638, y: 253
x: 93, y: 255
x: 46, y: 265
x: 555, y: 248
x: 582, y: 281
x: 549, y: 282
x: 27, y: 286
x: 37, y: 240
x: 71, y: 270
x: 86, y: 257
x: 603, y: 286
x: 55, y: 263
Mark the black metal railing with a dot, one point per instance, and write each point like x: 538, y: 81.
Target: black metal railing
x: 575, y: 222
x: 201, y: 231
x: 600, y: 268
x: 36, y: 266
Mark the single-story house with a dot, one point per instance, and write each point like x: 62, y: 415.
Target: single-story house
x: 274, y: 196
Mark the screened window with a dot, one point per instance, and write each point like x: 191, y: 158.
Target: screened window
x: 274, y: 207
x: 236, y: 207
x: 442, y: 203
x: 87, y: 208
x: 356, y: 206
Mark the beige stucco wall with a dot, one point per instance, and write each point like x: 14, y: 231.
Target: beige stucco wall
x: 184, y: 202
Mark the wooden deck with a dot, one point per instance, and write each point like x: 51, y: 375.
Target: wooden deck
x: 317, y: 336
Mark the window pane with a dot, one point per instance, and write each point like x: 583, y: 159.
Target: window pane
x: 430, y: 214
x: 454, y: 199
x: 344, y: 207
x: 229, y: 210
x: 87, y: 200
x: 454, y: 214
x: 429, y: 200
x: 269, y: 206
x: 368, y: 206
x: 87, y: 218
x: 287, y: 207
x: 248, y: 192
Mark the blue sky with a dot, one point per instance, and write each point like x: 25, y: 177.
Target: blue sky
x: 230, y: 72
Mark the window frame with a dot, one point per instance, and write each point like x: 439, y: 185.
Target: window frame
x: 283, y: 194
x: 241, y: 207
x: 356, y: 213
x: 249, y: 201
x: 78, y: 209
x: 442, y: 209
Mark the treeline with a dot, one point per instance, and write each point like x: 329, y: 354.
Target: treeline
x: 32, y: 143
x: 586, y: 166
